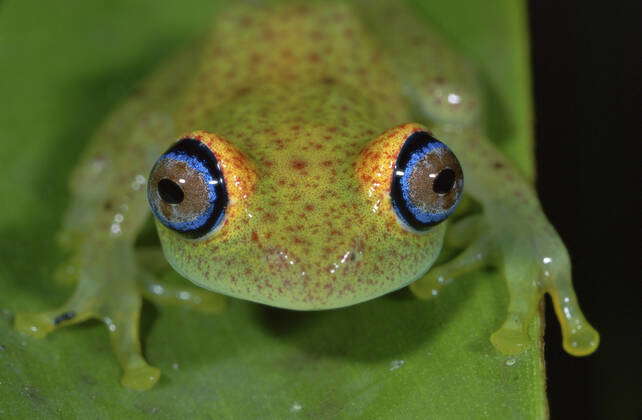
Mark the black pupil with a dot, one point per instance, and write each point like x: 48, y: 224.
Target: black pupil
x: 444, y: 181
x: 170, y: 191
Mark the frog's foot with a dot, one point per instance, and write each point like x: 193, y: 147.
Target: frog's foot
x: 106, y: 291
x: 529, y: 274
x: 579, y: 337
x: 475, y: 256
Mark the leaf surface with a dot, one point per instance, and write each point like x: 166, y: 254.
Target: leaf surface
x: 63, y: 67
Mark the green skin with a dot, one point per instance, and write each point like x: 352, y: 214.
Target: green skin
x: 305, y: 108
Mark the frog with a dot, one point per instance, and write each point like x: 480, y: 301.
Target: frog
x: 307, y: 156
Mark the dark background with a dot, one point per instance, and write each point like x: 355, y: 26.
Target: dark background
x: 586, y: 87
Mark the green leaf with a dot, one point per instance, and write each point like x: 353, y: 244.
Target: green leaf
x: 63, y: 67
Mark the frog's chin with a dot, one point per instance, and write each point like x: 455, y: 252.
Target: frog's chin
x: 302, y: 305
x: 304, y: 285
x: 297, y: 302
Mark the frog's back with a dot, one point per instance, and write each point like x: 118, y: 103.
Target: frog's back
x: 292, y: 44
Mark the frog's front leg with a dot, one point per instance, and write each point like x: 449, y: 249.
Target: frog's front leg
x: 445, y: 95
x: 166, y: 293
x: 529, y: 252
x: 478, y: 251
x: 107, y: 290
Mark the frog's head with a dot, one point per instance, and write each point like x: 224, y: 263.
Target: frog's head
x: 307, y: 228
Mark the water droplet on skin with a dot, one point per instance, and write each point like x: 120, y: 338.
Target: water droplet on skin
x: 138, y: 182
x: 110, y: 324
x: 510, y: 362
x: 396, y: 364
x: 454, y: 99
x: 434, y: 292
x: 97, y: 165
x: 175, y: 366
x: 296, y: 407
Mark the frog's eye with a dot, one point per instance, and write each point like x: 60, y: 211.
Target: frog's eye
x: 427, y: 182
x: 186, y: 189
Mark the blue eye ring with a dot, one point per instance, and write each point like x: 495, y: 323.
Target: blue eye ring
x: 186, y: 189
x: 427, y: 182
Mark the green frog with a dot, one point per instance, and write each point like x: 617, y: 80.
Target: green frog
x: 304, y: 156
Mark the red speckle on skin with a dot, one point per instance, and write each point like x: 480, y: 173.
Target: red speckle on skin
x: 309, y: 207
x: 299, y: 164
x: 269, y: 217
x: 327, y: 163
x: 302, y: 10
x: 317, y: 35
x: 255, y: 58
x: 328, y: 81
x: 246, y: 21
x: 287, y: 53
x: 314, y: 58
x: 255, y: 236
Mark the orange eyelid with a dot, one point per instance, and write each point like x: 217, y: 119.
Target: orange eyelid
x: 238, y: 170
x: 376, y: 162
